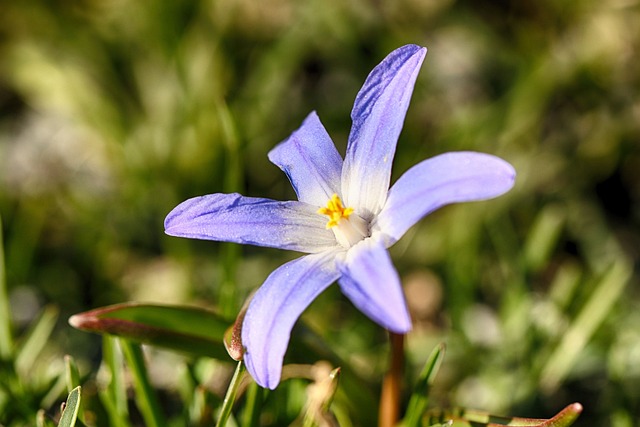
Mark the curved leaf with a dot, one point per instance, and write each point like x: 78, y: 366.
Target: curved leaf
x: 469, y: 418
x: 187, y: 329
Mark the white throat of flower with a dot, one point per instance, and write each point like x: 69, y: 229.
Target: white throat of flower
x: 348, y: 227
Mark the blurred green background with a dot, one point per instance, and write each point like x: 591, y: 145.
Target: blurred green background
x: 112, y: 112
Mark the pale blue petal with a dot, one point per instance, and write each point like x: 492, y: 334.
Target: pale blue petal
x: 252, y: 221
x: 378, y: 114
x: 311, y: 161
x: 274, y: 309
x: 444, y: 179
x: 371, y: 282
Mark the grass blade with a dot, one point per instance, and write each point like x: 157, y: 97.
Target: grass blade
x: 606, y: 292
x: 72, y: 376
x: 114, y: 398
x: 145, y: 396
x: 6, y: 339
x: 253, y: 405
x: 36, y: 340
x: 419, y: 397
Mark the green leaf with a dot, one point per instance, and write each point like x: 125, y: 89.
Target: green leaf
x: 419, y: 397
x: 186, y: 329
x: 145, y: 396
x: 470, y: 418
x: 70, y: 412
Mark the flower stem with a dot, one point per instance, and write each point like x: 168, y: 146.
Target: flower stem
x: 230, y: 397
x: 392, y: 383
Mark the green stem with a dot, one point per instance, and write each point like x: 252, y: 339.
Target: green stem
x: 230, y: 397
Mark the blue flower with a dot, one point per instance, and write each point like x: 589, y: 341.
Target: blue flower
x: 346, y: 215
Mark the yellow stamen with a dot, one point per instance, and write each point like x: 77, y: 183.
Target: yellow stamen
x: 335, y: 211
x: 346, y: 225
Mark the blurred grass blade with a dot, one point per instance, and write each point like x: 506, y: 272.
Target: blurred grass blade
x: 606, y: 292
x: 41, y: 419
x: 72, y: 376
x: 35, y: 341
x: 420, y: 396
x: 319, y: 401
x: 145, y: 396
x: 565, y: 283
x: 70, y: 412
x: 253, y: 405
x: 233, y: 182
x: 471, y: 418
x: 55, y: 387
x: 114, y: 397
x: 72, y: 379
x: 230, y: 396
x: 6, y: 339
x: 186, y: 329
x: 308, y: 347
x: 543, y: 236
x: 200, y: 412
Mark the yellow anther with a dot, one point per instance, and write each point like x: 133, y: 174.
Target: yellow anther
x: 335, y: 211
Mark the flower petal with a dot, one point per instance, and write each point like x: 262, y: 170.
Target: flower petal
x: 253, y: 221
x: 378, y: 115
x: 311, y: 161
x: 275, y: 308
x: 371, y: 282
x: 444, y: 179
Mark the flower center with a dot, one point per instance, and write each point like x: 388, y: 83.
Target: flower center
x: 335, y: 211
x: 348, y: 227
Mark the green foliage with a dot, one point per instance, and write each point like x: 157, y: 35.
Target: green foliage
x: 27, y: 382
x: 187, y: 329
x: 70, y: 412
x: 419, y: 397
x: 112, y: 113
